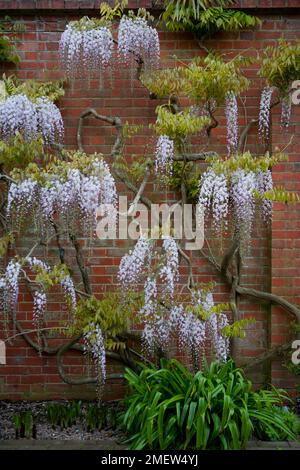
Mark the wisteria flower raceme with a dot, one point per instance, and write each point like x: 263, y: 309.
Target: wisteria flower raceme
x: 192, y: 329
x: 50, y: 123
x: 138, y: 40
x: 133, y: 263
x: 39, y: 307
x: 286, y: 110
x: 94, y: 345
x: 76, y: 193
x: 86, y: 50
x: 164, y: 155
x: 70, y: 294
x: 9, y: 289
x: 18, y: 114
x: 242, y: 193
x: 169, y: 272
x: 264, y: 112
x: 232, y: 122
x: 264, y: 183
x: 220, y: 193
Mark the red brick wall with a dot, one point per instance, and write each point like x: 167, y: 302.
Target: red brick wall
x: 273, y: 261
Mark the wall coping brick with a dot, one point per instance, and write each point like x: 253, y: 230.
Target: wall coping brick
x: 69, y: 5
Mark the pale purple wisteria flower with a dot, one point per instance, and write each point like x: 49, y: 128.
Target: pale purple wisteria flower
x: 18, y: 115
x: 94, y: 345
x: 9, y: 286
x: 214, y: 197
x: 50, y: 122
x: 21, y: 198
x: 87, y: 50
x: 264, y: 183
x: 77, y: 193
x: 164, y: 154
x: 218, y: 193
x: 133, y: 264
x: 39, y: 307
x: 243, y: 185
x: 150, y: 298
x: 286, y: 110
x: 168, y: 273
x: 191, y: 332
x: 70, y: 293
x: 264, y: 112
x: 35, y: 262
x: 232, y: 122
x: 138, y: 40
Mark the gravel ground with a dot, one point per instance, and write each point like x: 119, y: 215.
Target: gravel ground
x: 43, y: 428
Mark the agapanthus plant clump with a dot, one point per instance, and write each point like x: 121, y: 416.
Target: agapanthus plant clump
x: 18, y: 114
x: 232, y: 187
x: 138, y: 41
x: 86, y: 46
x: 78, y: 186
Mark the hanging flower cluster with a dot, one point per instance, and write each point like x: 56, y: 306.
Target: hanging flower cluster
x: 214, y: 196
x: 136, y: 38
x: 18, y: 114
x: 132, y: 264
x: 94, y: 345
x: 49, y: 119
x: 9, y: 289
x: 68, y: 287
x: 168, y: 273
x: 264, y: 112
x: 164, y: 154
x: 86, y: 46
x: 66, y: 194
x: 194, y: 324
x: 39, y: 309
x: 236, y: 191
x: 9, y: 286
x: 286, y: 110
x: 232, y: 122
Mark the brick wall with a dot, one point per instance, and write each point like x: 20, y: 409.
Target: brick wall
x: 273, y: 260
